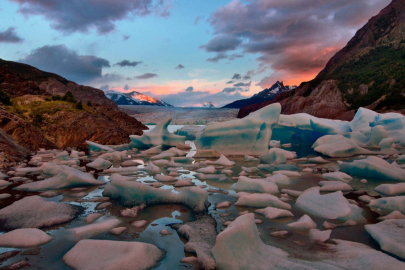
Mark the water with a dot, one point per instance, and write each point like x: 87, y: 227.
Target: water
x: 49, y: 256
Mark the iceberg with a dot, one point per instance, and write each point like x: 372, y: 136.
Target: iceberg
x: 337, y: 176
x: 329, y: 206
x: 24, y: 238
x: 222, y: 161
x: 259, y: 200
x: 390, y: 234
x: 159, y: 135
x: 36, y: 212
x: 136, y: 193
x: 389, y: 204
x: 273, y: 213
x: 276, y: 156
x: 374, y: 167
x: 248, y: 136
x: 99, y: 164
x: 255, y: 185
x: 391, y: 189
x: 304, y: 223
x: 330, y: 186
x: 240, y: 247
x: 112, y: 255
x: 343, y: 148
x: 98, y: 147
x: 67, y: 178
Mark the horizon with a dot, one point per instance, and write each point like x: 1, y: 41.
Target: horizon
x: 183, y: 53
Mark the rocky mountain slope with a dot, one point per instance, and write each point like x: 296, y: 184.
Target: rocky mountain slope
x: 135, y: 98
x: 265, y: 95
x: 43, y: 110
x: 367, y: 72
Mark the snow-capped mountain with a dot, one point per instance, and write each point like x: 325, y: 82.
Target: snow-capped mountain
x: 266, y: 94
x: 135, y: 98
x: 208, y: 104
x: 273, y: 91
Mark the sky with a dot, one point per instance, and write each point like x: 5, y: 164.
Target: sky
x: 185, y: 52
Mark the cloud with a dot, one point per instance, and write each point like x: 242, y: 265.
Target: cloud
x: 222, y: 43
x: 9, y: 36
x: 179, y: 66
x: 221, y: 56
x: 241, y: 84
x: 67, y: 63
x: 126, y: 37
x: 126, y: 87
x: 146, y: 76
x: 189, y: 89
x: 230, y: 82
x: 197, y: 20
x: 83, y: 15
x: 105, y: 87
x: 127, y: 63
x: 236, y: 76
x: 234, y: 89
x: 293, y: 38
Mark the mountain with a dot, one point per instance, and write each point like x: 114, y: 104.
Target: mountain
x: 367, y: 72
x: 135, y: 98
x: 266, y: 94
x: 43, y: 110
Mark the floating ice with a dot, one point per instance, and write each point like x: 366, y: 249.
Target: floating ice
x: 209, y: 169
x: 273, y: 213
x: 136, y: 193
x: 212, y: 177
x: 91, y: 230
x: 304, y: 223
x: 337, y: 176
x: 24, y: 238
x: 224, y: 204
x: 288, y: 173
x: 164, y: 178
x: 159, y: 135
x: 330, y: 186
x: 152, y: 169
x: 67, y: 178
x: 183, y: 182
x: 222, y: 161
x: 390, y: 234
x: 391, y: 189
x: 328, y: 206
x: 277, y: 156
x: 389, y: 204
x: 393, y: 215
x: 261, y: 201
x: 250, y: 158
x: 99, y: 164
x: 319, y: 236
x: 248, y: 136
x: 4, y: 183
x: 240, y: 247
x: 374, y: 167
x: 255, y: 185
x: 153, y: 151
x: 112, y: 255
x: 342, y: 148
x: 98, y: 147
x: 115, y: 156
x: 36, y: 212
x: 139, y: 223
x: 279, y: 178
x: 92, y: 217
x: 318, y: 160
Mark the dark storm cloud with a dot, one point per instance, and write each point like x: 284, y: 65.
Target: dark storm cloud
x: 236, y: 76
x: 67, y: 63
x: 127, y: 63
x: 293, y: 37
x: 230, y: 82
x: 146, y: 76
x: 189, y: 89
x: 9, y: 36
x: 179, y: 66
x: 82, y: 15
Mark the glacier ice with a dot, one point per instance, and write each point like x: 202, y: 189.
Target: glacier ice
x: 36, y: 212
x: 159, y: 135
x: 248, y: 136
x: 136, y: 193
x: 373, y: 167
x: 112, y: 255
x: 255, y: 185
x: 329, y: 206
x: 24, y: 238
x: 390, y: 234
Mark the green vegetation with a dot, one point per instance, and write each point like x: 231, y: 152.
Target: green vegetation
x: 382, y: 69
x: 5, y: 98
x: 89, y: 103
x: 79, y: 105
x: 69, y: 97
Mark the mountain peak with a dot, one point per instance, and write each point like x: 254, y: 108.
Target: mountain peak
x: 135, y: 98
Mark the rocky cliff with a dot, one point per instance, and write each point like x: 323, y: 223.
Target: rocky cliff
x: 367, y: 72
x: 34, y: 114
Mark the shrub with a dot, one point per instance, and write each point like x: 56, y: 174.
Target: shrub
x: 5, y: 98
x: 68, y: 97
x: 79, y: 106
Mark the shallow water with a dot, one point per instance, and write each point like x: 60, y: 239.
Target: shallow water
x: 49, y: 256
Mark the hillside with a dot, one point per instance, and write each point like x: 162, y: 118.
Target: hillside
x: 367, y: 72
x: 43, y: 110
